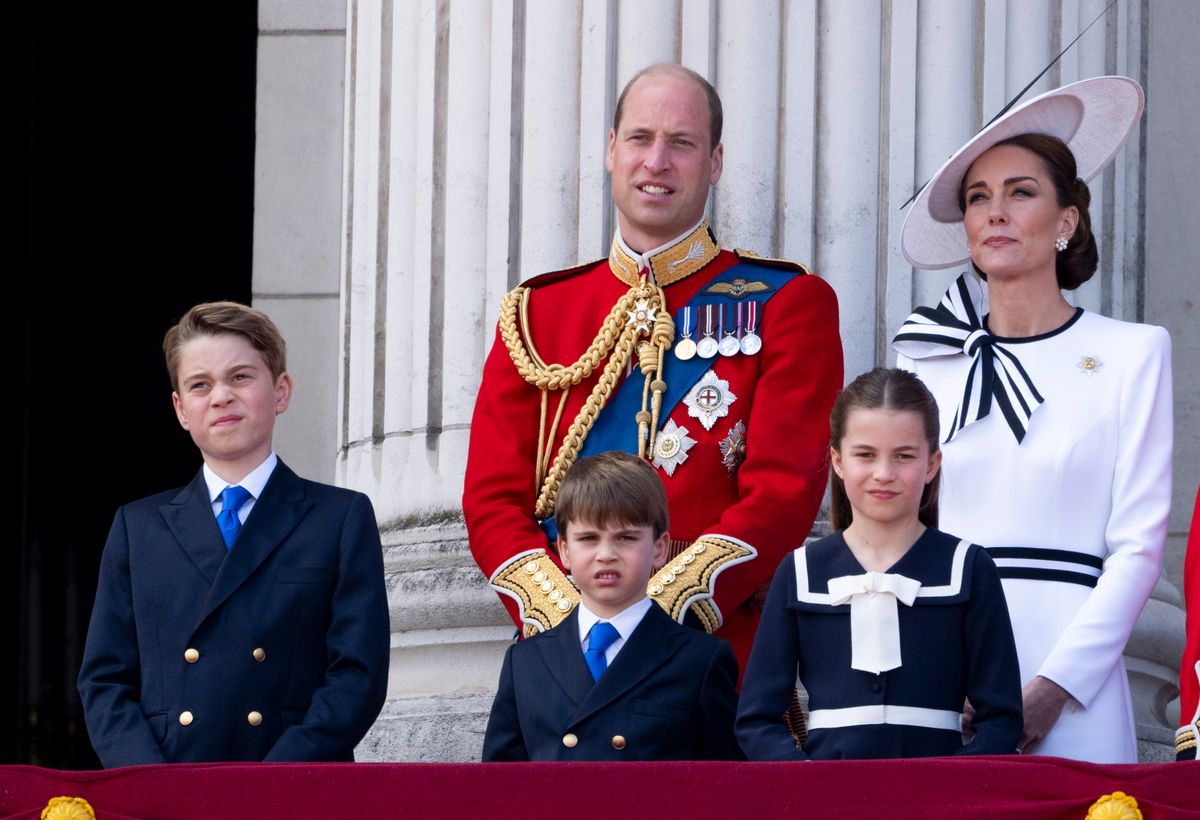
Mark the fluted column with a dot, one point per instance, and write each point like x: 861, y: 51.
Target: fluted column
x: 475, y: 135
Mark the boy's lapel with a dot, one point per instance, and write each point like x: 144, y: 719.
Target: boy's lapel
x: 274, y: 516
x: 562, y: 655
x: 190, y: 519
x: 654, y: 641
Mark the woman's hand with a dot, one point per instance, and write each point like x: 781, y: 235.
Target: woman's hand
x: 1042, y: 703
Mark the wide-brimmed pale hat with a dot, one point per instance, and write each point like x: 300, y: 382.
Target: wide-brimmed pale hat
x: 1094, y: 117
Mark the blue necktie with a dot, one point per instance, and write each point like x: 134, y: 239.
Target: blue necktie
x: 232, y: 499
x: 600, y: 638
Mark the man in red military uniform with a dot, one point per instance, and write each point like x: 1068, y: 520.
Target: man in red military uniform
x: 719, y: 367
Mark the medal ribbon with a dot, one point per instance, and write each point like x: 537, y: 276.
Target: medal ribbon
x: 954, y: 327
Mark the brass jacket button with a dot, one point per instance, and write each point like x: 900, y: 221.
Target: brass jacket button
x: 259, y: 654
x: 191, y: 655
x: 570, y: 741
x: 185, y: 718
x: 618, y: 742
x: 254, y: 718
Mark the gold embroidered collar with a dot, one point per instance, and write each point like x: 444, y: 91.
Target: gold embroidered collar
x: 670, y: 263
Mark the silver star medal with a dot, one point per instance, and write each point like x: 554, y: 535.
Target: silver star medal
x: 642, y: 315
x: 671, y: 446
x: 709, y: 399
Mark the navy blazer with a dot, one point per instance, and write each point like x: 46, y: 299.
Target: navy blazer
x: 274, y: 650
x: 668, y: 695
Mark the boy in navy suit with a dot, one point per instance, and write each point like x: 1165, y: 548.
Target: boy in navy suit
x: 243, y: 617
x: 618, y: 679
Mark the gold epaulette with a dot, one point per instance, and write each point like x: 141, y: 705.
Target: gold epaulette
x: 687, y: 580
x: 786, y: 264
x: 545, y: 595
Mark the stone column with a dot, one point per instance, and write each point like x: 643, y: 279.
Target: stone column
x: 474, y: 147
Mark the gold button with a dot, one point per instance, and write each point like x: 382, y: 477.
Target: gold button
x: 185, y: 718
x: 259, y: 654
x: 254, y: 718
x: 191, y: 655
x: 618, y: 742
x: 570, y: 741
x: 563, y: 605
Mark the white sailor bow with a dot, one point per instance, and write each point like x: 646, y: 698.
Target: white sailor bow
x: 874, y: 618
x: 953, y: 327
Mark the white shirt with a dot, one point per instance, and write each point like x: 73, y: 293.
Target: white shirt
x: 253, y: 483
x: 624, y: 622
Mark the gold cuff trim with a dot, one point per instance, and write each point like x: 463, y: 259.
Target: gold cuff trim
x: 669, y: 266
x: 1185, y: 740
x: 688, y: 579
x: 1115, y: 806
x: 544, y: 594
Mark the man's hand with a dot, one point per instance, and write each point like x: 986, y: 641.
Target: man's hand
x: 1042, y: 704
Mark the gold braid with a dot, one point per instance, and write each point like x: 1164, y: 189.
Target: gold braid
x: 616, y: 342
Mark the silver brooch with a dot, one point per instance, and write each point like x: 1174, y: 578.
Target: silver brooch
x: 709, y: 399
x: 671, y: 446
x: 1088, y: 365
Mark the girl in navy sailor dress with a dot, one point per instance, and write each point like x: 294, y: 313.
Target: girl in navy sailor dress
x: 891, y: 625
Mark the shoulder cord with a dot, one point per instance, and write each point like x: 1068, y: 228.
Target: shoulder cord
x: 615, y: 342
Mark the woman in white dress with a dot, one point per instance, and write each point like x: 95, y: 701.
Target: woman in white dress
x: 1059, y: 420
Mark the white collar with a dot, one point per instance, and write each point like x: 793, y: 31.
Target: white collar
x: 254, y: 482
x: 624, y: 622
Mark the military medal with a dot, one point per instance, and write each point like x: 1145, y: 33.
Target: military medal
x: 685, y: 348
x: 642, y: 316
x: 709, y: 399
x: 729, y: 342
x: 707, y: 347
x: 751, y: 341
x: 671, y: 446
x: 733, y: 447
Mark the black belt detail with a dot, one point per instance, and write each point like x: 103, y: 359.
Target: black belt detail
x: 1039, y: 574
x: 1041, y: 554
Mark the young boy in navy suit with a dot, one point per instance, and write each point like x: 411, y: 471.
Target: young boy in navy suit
x: 243, y: 617
x: 618, y: 679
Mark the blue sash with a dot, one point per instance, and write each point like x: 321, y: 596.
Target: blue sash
x: 616, y: 427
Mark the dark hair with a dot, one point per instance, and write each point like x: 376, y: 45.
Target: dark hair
x: 612, y: 488
x: 884, y: 389
x: 216, y: 318
x: 716, y: 118
x: 1077, y: 263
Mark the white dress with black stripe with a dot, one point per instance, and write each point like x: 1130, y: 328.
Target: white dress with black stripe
x: 1075, y: 516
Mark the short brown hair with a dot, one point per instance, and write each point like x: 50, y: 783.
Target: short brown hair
x: 215, y: 318
x: 716, y: 117
x: 612, y: 488
x: 884, y: 389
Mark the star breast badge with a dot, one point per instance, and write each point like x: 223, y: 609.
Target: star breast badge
x: 709, y: 399
x: 671, y: 447
x: 733, y: 447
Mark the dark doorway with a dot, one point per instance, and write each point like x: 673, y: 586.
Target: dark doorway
x: 132, y: 193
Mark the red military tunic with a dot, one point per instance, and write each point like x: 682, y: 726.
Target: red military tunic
x: 784, y: 395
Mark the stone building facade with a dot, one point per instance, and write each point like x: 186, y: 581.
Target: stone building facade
x: 415, y: 160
